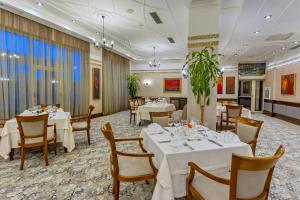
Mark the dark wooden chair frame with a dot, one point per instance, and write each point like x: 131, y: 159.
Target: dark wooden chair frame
x: 82, y: 118
x: 228, y: 107
x: 23, y: 137
x: 238, y: 163
x: 108, y: 134
x: 159, y: 114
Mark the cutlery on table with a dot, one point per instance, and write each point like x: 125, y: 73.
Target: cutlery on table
x: 187, y: 145
x: 196, y: 139
x: 217, y: 143
x: 164, y: 141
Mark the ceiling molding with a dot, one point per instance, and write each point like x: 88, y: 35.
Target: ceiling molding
x: 203, y: 44
x: 203, y: 37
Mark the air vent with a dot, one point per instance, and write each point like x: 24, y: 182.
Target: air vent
x: 295, y: 47
x: 278, y: 37
x: 171, y: 40
x: 156, y: 18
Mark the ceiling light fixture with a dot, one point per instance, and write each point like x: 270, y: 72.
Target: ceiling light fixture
x: 98, y: 33
x: 236, y: 55
x: 105, y: 43
x: 73, y: 20
x: 39, y: 3
x: 296, y: 42
x: 283, y: 48
x: 256, y: 32
x: 267, y: 17
x: 154, y: 63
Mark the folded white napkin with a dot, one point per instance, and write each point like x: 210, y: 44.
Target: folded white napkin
x: 227, y: 136
x: 154, y: 128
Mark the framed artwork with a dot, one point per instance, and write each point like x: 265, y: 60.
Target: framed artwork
x: 172, y: 85
x: 230, y: 85
x: 96, y: 83
x: 288, y: 84
x: 267, y: 92
x: 246, y: 87
x: 220, y: 85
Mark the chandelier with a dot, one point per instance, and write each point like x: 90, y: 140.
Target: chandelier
x: 104, y: 42
x: 154, y: 63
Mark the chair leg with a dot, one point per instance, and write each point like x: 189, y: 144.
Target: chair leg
x: 88, y: 136
x: 221, y: 125
x: 55, y: 147
x: 11, y: 154
x: 189, y: 195
x: 22, y: 158
x: 46, y: 154
x: 65, y: 149
x: 116, y: 189
x: 130, y: 118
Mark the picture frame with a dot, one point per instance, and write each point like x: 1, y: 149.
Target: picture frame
x: 220, y: 85
x: 230, y: 85
x: 96, y: 83
x: 267, y: 92
x: 288, y: 84
x: 172, y: 85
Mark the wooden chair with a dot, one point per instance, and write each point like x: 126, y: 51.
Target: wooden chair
x: 248, y: 131
x: 44, y: 106
x: 224, y: 103
x: 132, y: 110
x: 34, y: 133
x: 128, y: 167
x: 231, y: 114
x: 160, y: 118
x: 249, y: 179
x: 83, y: 123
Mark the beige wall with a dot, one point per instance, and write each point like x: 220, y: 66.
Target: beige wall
x: 157, y: 83
x: 273, y: 80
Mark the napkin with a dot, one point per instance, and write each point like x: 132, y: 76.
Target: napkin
x: 227, y: 136
x: 154, y: 128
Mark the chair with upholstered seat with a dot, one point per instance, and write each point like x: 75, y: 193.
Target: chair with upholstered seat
x: 231, y: 114
x: 128, y: 167
x: 83, y: 123
x: 133, y: 106
x: 249, y: 179
x: 248, y: 131
x: 34, y: 132
x: 160, y: 118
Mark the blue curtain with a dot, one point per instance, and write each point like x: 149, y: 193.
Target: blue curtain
x: 35, y: 71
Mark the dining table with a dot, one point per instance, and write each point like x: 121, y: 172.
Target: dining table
x: 175, y: 147
x: 10, y: 133
x: 144, y: 110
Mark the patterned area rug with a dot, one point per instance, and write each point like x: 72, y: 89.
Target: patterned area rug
x: 84, y: 173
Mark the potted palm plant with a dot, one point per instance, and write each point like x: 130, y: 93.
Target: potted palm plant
x: 133, y: 85
x: 202, y: 67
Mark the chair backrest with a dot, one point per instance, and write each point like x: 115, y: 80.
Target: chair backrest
x: 224, y: 103
x: 91, y: 108
x: 248, y: 130
x: 233, y: 111
x: 32, y: 126
x: 184, y: 112
x: 251, y: 176
x: 108, y: 134
x: 160, y: 118
x: 132, y: 105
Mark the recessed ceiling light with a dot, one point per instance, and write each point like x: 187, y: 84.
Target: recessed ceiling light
x: 98, y: 33
x: 236, y: 55
x: 283, y: 48
x: 256, y: 32
x: 296, y: 42
x: 129, y: 10
x: 39, y: 3
x: 73, y: 20
x: 268, y: 17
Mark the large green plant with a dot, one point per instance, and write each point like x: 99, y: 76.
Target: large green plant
x: 133, y: 84
x: 203, y: 69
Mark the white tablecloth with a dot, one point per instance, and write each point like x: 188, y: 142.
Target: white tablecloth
x: 143, y: 111
x: 173, y: 165
x: 245, y: 112
x: 10, y: 134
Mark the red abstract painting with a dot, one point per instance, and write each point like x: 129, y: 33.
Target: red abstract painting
x: 220, y: 85
x: 288, y: 84
x: 172, y: 85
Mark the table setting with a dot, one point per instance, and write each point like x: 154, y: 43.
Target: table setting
x: 10, y: 134
x: 181, y: 143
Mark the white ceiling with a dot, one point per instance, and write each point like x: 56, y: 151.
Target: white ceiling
x: 134, y: 33
x: 239, y: 20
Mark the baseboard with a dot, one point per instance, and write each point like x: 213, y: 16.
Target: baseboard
x: 283, y: 117
x: 97, y: 115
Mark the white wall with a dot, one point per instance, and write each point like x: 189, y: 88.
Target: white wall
x: 95, y: 62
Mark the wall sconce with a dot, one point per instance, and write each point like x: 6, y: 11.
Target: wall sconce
x: 147, y: 82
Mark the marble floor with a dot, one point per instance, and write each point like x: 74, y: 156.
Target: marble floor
x: 84, y: 173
